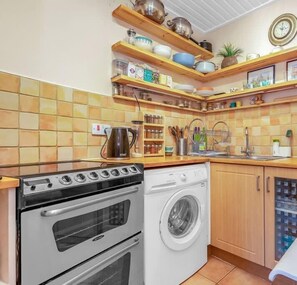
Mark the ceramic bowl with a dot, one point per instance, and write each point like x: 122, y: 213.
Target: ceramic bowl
x: 143, y: 43
x: 162, y: 50
x: 184, y: 58
x: 168, y: 148
x: 205, y: 66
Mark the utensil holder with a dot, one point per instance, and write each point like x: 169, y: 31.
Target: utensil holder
x: 181, y: 148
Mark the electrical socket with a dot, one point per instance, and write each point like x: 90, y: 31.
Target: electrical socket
x: 98, y: 129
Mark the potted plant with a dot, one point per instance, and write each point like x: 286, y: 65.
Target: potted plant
x: 230, y: 54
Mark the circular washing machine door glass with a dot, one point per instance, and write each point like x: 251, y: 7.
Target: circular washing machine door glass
x: 181, y: 220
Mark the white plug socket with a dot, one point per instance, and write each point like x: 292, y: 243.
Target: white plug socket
x: 98, y: 129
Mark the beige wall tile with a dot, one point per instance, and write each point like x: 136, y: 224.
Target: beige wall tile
x: 9, y: 119
x: 65, y: 109
x: 112, y: 115
x: 48, y: 90
x: 94, y: 113
x: 9, y: 155
x: 80, y: 138
x: 9, y: 82
x: 64, y: 124
x: 80, y: 152
x: 65, y: 153
x: 29, y: 121
x: 29, y: 154
x: 94, y: 140
x: 47, y: 122
x: 80, y: 97
x: 285, y: 119
x: 29, y: 104
x: 48, y: 138
x: 48, y: 154
x: 48, y: 106
x: 94, y: 152
x: 280, y: 109
x: 29, y: 86
x: 65, y: 139
x: 80, y: 125
x: 65, y: 94
x: 274, y: 130
x: 28, y: 138
x: 9, y: 137
x: 9, y: 101
x: 80, y: 111
x: 95, y: 100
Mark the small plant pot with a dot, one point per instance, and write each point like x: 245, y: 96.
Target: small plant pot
x: 228, y: 61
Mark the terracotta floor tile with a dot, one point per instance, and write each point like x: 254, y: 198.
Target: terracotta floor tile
x: 215, y: 269
x: 198, y: 279
x: 239, y: 277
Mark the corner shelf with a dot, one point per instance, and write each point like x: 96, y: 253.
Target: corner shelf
x: 138, y: 20
x: 141, y: 84
x: 149, y: 57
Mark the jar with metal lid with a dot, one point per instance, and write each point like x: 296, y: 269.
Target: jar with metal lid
x: 161, y: 120
x: 150, y: 119
x: 145, y: 133
x: 154, y: 119
x: 159, y: 148
x: 160, y: 134
x: 148, y: 149
x: 149, y: 134
x: 146, y: 119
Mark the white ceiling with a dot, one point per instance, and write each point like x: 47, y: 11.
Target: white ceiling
x: 208, y: 15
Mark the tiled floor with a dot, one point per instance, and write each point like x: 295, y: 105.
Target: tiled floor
x: 216, y: 271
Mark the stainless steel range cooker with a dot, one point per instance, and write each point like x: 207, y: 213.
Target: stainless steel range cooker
x: 79, y: 223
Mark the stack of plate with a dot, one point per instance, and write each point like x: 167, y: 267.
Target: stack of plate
x: 205, y: 91
x: 185, y: 87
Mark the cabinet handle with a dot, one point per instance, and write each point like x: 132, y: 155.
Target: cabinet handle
x: 267, y: 184
x: 258, y: 183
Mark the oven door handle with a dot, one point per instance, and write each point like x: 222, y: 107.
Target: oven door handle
x: 81, y: 275
x: 56, y: 212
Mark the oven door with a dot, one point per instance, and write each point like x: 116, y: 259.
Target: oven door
x: 60, y: 236
x: 121, y: 265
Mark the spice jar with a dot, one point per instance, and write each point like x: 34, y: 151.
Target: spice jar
x: 146, y: 118
x: 149, y: 134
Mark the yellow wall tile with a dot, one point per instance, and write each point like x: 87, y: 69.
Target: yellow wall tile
x: 94, y: 152
x: 65, y: 94
x: 65, y: 153
x: 94, y: 140
x: 280, y: 109
x: 95, y: 100
x: 64, y: 124
x: 80, y: 97
x: 80, y: 138
x: 9, y: 155
x: 47, y: 122
x: 29, y: 86
x: 94, y: 113
x: 48, y: 138
x: 65, y: 139
x: 48, y: 106
x: 29, y: 154
x: 29, y: 104
x: 9, y: 101
x: 112, y: 115
x: 48, y: 154
x: 80, y: 125
x: 80, y: 152
x: 65, y: 108
x: 48, y: 90
x: 29, y: 121
x: 9, y: 82
x: 80, y: 111
x: 29, y: 138
x: 9, y: 119
x: 9, y: 137
x: 285, y: 119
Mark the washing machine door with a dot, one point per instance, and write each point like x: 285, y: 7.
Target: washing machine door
x: 181, y: 219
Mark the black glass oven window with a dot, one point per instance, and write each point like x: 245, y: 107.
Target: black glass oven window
x: 117, y: 273
x: 75, y: 230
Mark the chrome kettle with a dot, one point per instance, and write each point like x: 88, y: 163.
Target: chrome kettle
x: 117, y: 143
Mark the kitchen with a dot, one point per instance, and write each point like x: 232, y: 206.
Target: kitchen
x: 57, y: 84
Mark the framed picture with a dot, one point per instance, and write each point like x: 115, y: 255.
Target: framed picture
x: 292, y: 70
x: 261, y: 77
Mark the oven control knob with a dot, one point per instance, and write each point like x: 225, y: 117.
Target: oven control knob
x: 93, y: 175
x: 33, y: 187
x: 115, y: 172
x: 133, y: 169
x: 125, y: 170
x: 50, y: 185
x: 104, y: 174
x: 66, y: 180
x: 183, y: 177
x: 80, y: 177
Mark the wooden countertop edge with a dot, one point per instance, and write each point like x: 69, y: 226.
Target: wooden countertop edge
x: 7, y: 182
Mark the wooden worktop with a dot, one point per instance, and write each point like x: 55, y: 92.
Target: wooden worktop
x: 7, y: 182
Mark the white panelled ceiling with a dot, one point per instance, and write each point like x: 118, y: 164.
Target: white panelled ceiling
x: 208, y: 15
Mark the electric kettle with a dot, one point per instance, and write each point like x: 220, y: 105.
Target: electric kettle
x: 117, y: 143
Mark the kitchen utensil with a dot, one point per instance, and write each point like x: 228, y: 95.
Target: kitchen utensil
x: 152, y: 9
x: 143, y: 43
x: 119, y: 66
x: 182, y: 145
x: 117, y: 143
x: 206, y: 45
x: 162, y: 50
x: 181, y: 26
x: 205, y: 66
x: 184, y: 87
x: 131, y: 36
x: 184, y: 58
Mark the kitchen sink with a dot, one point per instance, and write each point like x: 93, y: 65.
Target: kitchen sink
x: 252, y: 157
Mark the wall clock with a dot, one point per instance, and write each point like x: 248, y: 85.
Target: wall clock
x: 283, y: 29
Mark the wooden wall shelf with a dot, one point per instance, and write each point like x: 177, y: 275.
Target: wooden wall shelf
x: 137, y: 20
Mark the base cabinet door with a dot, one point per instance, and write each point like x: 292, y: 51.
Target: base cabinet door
x: 237, y: 210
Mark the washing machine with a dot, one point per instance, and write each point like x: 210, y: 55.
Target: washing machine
x: 175, y: 223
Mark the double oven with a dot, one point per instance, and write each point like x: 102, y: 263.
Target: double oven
x: 80, y: 223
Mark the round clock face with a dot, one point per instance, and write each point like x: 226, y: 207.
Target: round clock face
x: 283, y: 29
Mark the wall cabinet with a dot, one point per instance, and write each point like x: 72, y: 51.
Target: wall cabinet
x: 237, y: 210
